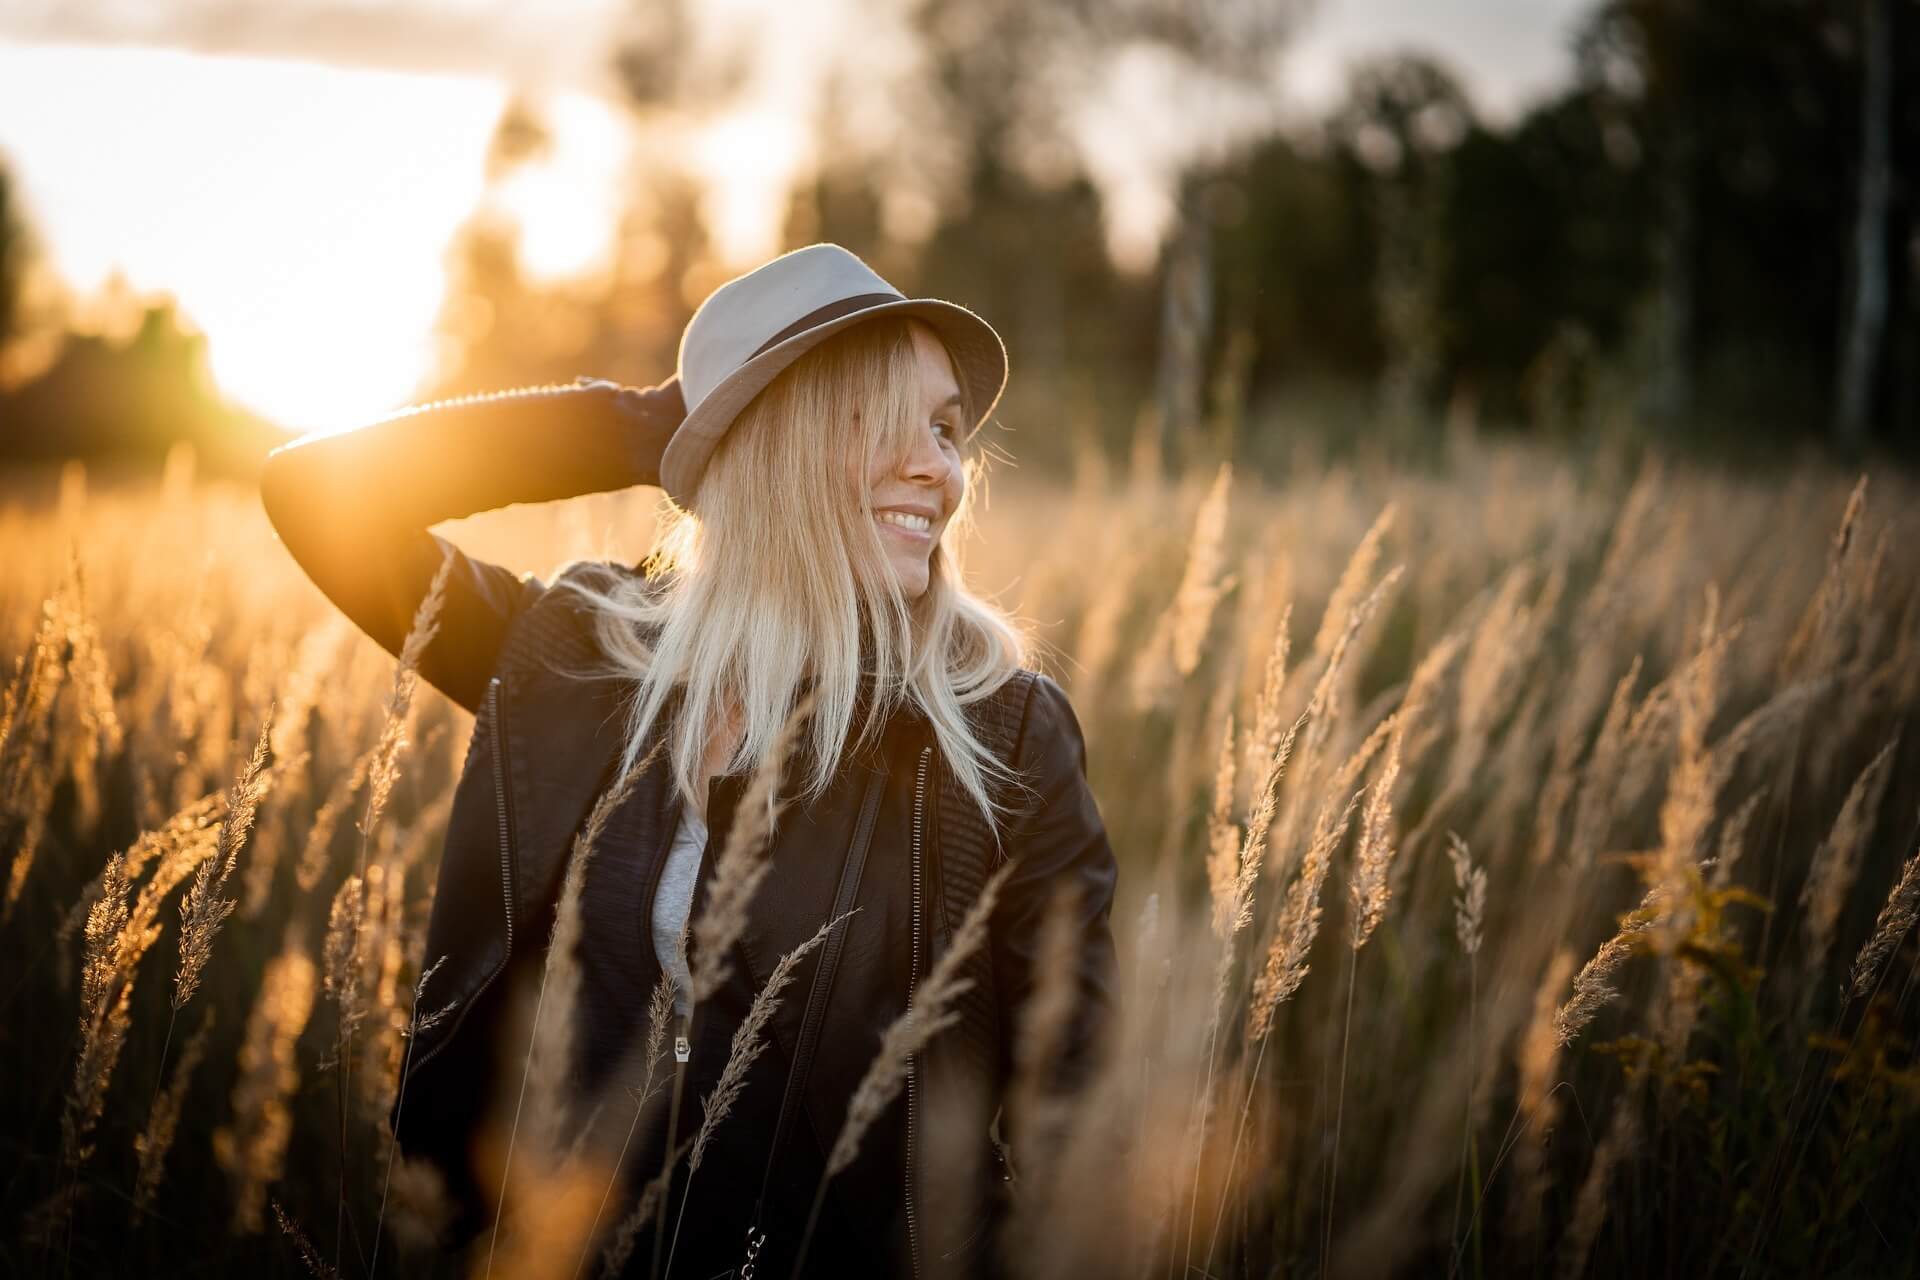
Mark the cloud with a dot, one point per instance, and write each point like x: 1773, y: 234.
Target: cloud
x: 553, y: 42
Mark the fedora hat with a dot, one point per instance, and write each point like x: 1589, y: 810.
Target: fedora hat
x: 755, y: 325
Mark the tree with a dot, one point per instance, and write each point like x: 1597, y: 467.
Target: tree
x: 1402, y: 120
x: 13, y: 260
x: 1010, y: 74
x: 1864, y: 324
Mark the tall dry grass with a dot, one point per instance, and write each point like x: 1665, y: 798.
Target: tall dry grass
x: 1517, y: 853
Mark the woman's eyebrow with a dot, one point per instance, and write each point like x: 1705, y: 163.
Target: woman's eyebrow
x: 951, y: 402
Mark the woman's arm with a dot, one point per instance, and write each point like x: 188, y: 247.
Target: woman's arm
x: 1061, y: 844
x: 353, y: 507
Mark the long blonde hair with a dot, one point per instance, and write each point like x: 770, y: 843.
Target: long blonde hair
x: 782, y: 581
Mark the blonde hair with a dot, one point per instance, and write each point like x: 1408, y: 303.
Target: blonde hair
x: 782, y: 580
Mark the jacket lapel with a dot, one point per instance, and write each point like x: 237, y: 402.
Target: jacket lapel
x: 564, y: 737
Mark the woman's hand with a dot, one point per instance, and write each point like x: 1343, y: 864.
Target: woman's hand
x: 651, y: 413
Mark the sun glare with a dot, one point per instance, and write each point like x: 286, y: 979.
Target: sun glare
x: 300, y: 214
x: 749, y: 159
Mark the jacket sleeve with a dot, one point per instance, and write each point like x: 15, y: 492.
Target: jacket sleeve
x: 353, y: 507
x: 1060, y: 842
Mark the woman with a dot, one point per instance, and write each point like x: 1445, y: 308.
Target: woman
x: 817, y: 441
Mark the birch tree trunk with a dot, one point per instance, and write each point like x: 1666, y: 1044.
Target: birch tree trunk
x: 1865, y: 320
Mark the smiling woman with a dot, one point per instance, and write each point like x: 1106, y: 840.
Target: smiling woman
x: 865, y: 807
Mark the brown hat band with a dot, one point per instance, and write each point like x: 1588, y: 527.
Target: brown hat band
x: 822, y: 315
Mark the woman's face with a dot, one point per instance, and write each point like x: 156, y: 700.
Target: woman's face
x: 914, y: 496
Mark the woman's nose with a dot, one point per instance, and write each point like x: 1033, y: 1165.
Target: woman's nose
x: 927, y: 463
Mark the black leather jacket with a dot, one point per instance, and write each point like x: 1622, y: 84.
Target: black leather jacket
x: 354, y: 509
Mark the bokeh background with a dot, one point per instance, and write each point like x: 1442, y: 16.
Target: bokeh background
x: 1517, y: 398
x: 1690, y: 221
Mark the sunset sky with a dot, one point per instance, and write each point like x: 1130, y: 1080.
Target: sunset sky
x: 292, y: 173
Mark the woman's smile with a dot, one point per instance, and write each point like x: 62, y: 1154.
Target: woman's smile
x: 911, y: 525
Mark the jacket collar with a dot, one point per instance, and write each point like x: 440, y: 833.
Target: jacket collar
x: 562, y: 738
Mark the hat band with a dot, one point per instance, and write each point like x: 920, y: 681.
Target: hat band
x: 821, y: 315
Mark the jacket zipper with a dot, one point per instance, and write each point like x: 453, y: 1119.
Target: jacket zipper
x: 913, y: 979
x: 497, y: 741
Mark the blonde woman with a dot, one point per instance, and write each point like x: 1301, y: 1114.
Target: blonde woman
x: 818, y: 443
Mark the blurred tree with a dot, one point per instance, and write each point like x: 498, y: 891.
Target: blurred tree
x: 1548, y: 256
x: 1293, y: 238
x: 1402, y: 120
x: 1865, y: 319
x: 130, y: 395
x: 499, y: 329
x: 13, y: 259
x: 1011, y: 76
x: 1751, y: 121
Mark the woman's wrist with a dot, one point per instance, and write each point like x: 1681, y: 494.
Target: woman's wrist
x: 648, y: 417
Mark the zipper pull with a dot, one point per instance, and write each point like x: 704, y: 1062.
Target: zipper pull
x: 753, y: 1251
x: 682, y: 1047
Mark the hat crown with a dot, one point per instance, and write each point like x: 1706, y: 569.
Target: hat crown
x: 738, y: 318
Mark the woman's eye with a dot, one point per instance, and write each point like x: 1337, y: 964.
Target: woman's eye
x: 947, y: 428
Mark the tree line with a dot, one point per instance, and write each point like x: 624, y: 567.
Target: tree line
x: 1710, y: 230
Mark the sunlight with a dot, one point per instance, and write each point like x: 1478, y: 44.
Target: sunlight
x: 567, y: 203
x: 306, y: 234
x: 750, y: 158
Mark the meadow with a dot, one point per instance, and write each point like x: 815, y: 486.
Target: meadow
x: 1518, y: 875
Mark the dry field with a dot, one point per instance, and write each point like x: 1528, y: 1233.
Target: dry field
x: 1517, y: 859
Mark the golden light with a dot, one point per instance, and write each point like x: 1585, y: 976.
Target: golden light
x: 299, y: 214
x: 749, y: 158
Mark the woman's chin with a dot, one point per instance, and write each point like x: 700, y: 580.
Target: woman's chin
x: 913, y: 579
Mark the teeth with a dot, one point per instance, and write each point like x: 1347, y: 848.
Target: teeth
x: 904, y: 520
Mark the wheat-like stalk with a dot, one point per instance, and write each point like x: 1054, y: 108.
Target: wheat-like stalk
x: 1732, y: 842
x: 1896, y: 917
x: 546, y: 1073
x: 1298, y: 922
x: 317, y: 1266
x: 930, y: 1013
x: 1173, y: 651
x: 341, y: 955
x: 550, y: 1051
x: 26, y: 779
x: 742, y: 864
x: 749, y: 1042
x: 1823, y: 618
x: 384, y: 770
x: 253, y: 1144
x: 1836, y: 864
x: 1369, y: 890
x: 1600, y: 779
x: 1037, y: 1117
x: 163, y: 1120
x: 652, y: 1051
x: 317, y: 848
x: 118, y: 935
x: 104, y: 994
x: 1593, y: 987
x: 95, y: 732
x: 1470, y: 906
x: 1537, y: 1059
x: 1347, y: 593
x: 1223, y: 838
x: 1202, y: 585
x: 619, y: 1249
x: 203, y: 910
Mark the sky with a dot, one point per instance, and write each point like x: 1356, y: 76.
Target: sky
x: 292, y: 172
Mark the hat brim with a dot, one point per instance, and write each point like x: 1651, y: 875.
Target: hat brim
x: 978, y: 353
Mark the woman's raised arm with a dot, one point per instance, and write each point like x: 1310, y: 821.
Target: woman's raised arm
x: 354, y: 507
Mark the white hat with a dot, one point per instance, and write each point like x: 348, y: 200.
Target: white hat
x: 755, y: 325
